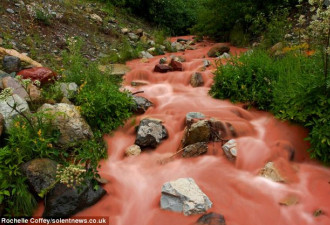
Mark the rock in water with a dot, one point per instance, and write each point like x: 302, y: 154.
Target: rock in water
x: 150, y: 133
x: 197, y: 132
x: 141, y: 104
x: 162, y: 68
x: 6, y: 108
x: 194, y: 150
x: 133, y: 150
x: 196, y: 80
x: 40, y: 173
x: 64, y: 202
x: 11, y: 64
x: 230, y: 149
x: 218, y: 49
x: 176, y: 65
x: 194, y: 115
x: 211, y: 219
x: 183, y: 195
x: 42, y: 74
x: 272, y: 173
x: 68, y: 120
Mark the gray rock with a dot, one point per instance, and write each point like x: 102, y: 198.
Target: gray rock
x: 40, y: 173
x: 69, y: 90
x: 133, y: 36
x: 141, y: 104
x: 6, y: 108
x: 230, y: 149
x: 196, y: 80
x: 194, y: 150
x: 64, y: 202
x: 10, y: 11
x: 11, y: 64
x: 206, y: 63
x: 9, y: 82
x: 150, y: 133
x: 183, y: 195
x: 177, y: 46
x: 224, y: 56
x: 68, y: 120
x: 194, y: 115
x: 146, y: 55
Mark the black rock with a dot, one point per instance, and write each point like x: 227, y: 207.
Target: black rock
x: 141, y: 104
x: 212, y: 219
x: 11, y: 64
x: 64, y: 202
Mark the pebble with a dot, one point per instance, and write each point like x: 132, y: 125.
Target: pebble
x: 10, y: 11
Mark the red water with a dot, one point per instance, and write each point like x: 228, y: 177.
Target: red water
x: 236, y: 190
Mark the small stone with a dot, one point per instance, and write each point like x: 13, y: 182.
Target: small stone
x: 125, y: 31
x: 211, y: 219
x: 162, y: 68
x: 194, y: 150
x: 69, y: 90
x: 96, y: 18
x: 176, y: 66
x: 10, y: 11
x: 194, y: 115
x: 230, y: 149
x: 206, y: 63
x: 289, y: 200
x: 133, y: 36
x: 146, y: 55
x: 163, y: 60
x: 11, y: 64
x: 224, y: 56
x: 141, y: 104
x: 196, y: 79
x: 133, y: 150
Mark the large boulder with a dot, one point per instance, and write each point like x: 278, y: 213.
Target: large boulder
x: 194, y: 150
x: 176, y: 65
x: 40, y: 173
x: 218, y: 49
x: 141, y: 104
x: 150, y: 133
x: 64, y: 202
x: 68, y: 120
x: 42, y: 74
x: 183, y: 195
x: 6, y: 108
x: 196, y: 79
x: 196, y: 132
x: 11, y: 64
x: 162, y: 68
x: 211, y: 219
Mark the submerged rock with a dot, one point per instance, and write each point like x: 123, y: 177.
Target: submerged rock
x: 230, y: 149
x: 64, y: 202
x: 150, y: 133
x: 272, y: 173
x: 218, y: 49
x: 196, y: 80
x: 68, y: 120
x: 141, y: 104
x: 183, y: 195
x: 194, y: 150
x: 211, y: 219
x: 40, y: 173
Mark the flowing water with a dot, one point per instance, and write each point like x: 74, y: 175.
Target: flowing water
x: 235, y: 188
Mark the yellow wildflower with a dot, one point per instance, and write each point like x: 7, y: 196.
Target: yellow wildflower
x: 49, y: 145
x: 39, y: 132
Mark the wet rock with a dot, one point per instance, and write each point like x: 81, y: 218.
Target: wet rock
x: 196, y: 80
x: 133, y: 36
x: 11, y: 64
x: 70, y: 123
x: 146, y: 55
x: 194, y: 115
x: 150, y: 133
x: 64, y: 202
x: 6, y: 108
x: 133, y: 150
x: 194, y: 150
x: 230, y: 149
x: 224, y: 56
x: 42, y: 74
x: 141, y: 104
x: 289, y: 200
x: 40, y: 173
x: 162, y: 68
x: 197, y: 132
x: 211, y: 219
x: 2, y: 124
x: 163, y: 60
x: 176, y: 66
x: 272, y: 173
x: 218, y: 49
x: 178, y: 58
x: 69, y: 90
x: 206, y: 63
x: 183, y: 195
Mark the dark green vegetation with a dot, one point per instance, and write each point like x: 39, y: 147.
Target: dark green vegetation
x: 293, y: 87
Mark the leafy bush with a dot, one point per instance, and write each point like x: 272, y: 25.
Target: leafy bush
x: 293, y: 87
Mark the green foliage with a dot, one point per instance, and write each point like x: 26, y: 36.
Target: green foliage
x: 293, y: 87
x: 43, y: 17
x: 52, y: 93
x: 101, y: 102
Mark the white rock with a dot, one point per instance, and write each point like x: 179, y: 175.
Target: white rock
x: 146, y: 55
x: 230, y: 149
x: 183, y: 195
x: 224, y: 56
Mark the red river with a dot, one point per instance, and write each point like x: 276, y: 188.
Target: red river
x: 235, y: 188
